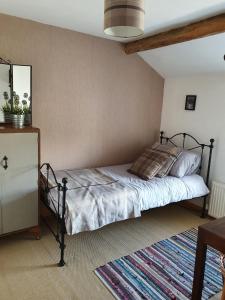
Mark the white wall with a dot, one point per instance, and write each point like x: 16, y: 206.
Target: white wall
x: 207, y: 121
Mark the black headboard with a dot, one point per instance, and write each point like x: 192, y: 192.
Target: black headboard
x: 197, y: 144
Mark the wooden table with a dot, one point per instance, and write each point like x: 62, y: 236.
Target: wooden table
x: 212, y: 234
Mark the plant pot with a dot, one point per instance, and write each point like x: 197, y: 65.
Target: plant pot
x: 18, y: 121
x: 27, y: 119
x: 7, y: 117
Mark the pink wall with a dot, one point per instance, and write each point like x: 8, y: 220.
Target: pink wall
x: 94, y: 104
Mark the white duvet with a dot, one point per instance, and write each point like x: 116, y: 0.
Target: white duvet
x: 83, y: 216
x: 159, y: 191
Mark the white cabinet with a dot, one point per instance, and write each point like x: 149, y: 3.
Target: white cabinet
x: 19, y: 197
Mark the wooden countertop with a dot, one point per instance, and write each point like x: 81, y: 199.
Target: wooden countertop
x: 10, y: 129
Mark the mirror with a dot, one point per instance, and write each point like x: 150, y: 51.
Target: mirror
x: 15, y: 93
x: 21, y: 90
x: 5, y: 89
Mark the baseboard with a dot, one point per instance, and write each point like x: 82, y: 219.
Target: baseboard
x: 193, y: 206
x: 190, y: 205
x: 34, y: 230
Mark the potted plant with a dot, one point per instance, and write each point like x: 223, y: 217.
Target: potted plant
x: 6, y: 108
x: 26, y: 109
x: 17, y: 112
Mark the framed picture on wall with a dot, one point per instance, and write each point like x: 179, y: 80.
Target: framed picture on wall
x: 190, y: 103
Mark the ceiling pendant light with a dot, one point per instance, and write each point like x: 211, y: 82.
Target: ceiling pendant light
x: 124, y: 18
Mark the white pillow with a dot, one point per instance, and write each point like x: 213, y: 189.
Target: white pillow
x: 187, y: 164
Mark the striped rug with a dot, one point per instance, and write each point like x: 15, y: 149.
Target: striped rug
x: 162, y: 271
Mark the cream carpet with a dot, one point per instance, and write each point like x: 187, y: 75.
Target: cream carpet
x: 28, y: 267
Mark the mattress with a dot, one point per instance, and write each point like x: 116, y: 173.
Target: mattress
x: 136, y: 195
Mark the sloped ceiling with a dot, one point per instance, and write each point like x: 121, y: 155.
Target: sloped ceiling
x: 204, y: 55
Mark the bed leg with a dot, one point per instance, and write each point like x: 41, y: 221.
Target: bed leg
x: 211, y: 146
x: 204, y: 211
x: 62, y: 225
x: 62, y: 248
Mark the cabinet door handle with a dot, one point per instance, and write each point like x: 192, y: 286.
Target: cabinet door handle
x: 5, y: 162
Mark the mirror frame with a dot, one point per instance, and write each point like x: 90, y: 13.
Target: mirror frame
x: 7, y: 62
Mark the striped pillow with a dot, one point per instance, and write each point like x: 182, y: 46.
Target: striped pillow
x: 173, y: 152
x: 149, y: 164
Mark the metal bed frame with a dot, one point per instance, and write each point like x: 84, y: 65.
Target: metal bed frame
x: 62, y: 188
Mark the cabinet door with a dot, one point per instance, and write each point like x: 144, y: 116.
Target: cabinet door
x: 19, y: 201
x: 1, y: 193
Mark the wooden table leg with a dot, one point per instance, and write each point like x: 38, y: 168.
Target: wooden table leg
x: 199, y: 269
x: 223, y: 294
x: 222, y: 260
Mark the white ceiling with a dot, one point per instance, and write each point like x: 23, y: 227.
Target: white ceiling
x: 87, y: 16
x: 198, y: 56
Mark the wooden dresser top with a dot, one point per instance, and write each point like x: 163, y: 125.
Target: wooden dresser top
x: 10, y: 129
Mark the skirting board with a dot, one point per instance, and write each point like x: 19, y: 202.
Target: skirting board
x: 190, y: 205
x: 193, y: 206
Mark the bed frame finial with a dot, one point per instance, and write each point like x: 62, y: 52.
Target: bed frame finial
x: 212, y: 142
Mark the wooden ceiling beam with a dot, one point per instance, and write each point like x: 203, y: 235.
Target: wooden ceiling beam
x: 210, y: 26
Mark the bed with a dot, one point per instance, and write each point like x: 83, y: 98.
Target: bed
x: 88, y: 199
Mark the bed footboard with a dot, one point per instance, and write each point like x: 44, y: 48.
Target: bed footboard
x: 58, y: 210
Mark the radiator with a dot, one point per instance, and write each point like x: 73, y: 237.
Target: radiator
x: 217, y: 200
